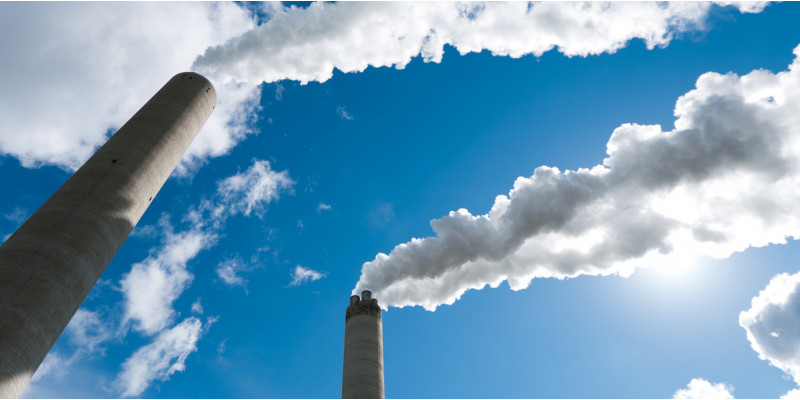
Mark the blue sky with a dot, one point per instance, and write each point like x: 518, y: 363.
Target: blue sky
x: 343, y: 130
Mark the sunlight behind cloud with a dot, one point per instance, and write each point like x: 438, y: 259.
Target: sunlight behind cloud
x: 725, y: 179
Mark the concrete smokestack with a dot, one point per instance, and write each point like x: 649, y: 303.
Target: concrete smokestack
x: 362, y: 372
x: 49, y: 265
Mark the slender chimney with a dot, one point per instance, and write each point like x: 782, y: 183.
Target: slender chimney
x: 49, y: 265
x: 362, y: 372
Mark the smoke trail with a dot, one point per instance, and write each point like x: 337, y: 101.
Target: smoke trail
x: 726, y: 178
x: 306, y: 44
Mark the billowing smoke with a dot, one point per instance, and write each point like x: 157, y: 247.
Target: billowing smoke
x: 725, y: 179
x: 307, y: 44
x: 81, y: 70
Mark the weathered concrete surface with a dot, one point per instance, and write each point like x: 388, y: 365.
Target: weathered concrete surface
x: 49, y: 265
x: 362, y: 371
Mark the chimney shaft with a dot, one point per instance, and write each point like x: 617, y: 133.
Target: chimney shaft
x: 49, y: 265
x: 362, y: 371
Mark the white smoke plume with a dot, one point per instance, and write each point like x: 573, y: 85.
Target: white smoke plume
x: 75, y: 72
x: 725, y: 179
x: 306, y: 44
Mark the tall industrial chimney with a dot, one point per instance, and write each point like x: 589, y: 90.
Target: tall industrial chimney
x: 362, y: 372
x: 49, y: 265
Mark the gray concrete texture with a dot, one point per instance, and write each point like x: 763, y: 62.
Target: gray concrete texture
x: 362, y: 370
x: 49, y: 265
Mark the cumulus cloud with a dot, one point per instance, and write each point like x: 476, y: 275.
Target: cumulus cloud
x: 773, y: 325
x: 160, y: 359
x: 725, y: 179
x: 306, y: 44
x: 81, y: 70
x: 699, y: 388
x: 253, y: 189
x: 301, y: 275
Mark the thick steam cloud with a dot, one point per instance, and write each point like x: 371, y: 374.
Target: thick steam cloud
x: 306, y: 44
x: 725, y: 179
x: 81, y: 70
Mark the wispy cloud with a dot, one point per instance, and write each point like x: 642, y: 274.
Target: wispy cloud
x: 17, y: 215
x: 197, y: 306
x: 154, y: 284
x: 160, y: 359
x: 88, y: 332
x: 343, y: 113
x: 323, y: 207
x: 231, y: 270
x: 53, y: 365
x: 301, y: 275
x: 253, y: 189
x: 723, y: 180
x: 699, y: 388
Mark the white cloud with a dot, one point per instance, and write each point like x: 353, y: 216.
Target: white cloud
x: 18, y: 215
x: 306, y: 44
x: 230, y: 272
x: 236, y: 111
x: 793, y: 394
x: 253, y: 189
x: 53, y: 365
x: 343, y: 113
x: 323, y: 207
x: 88, y: 331
x: 773, y: 324
x: 152, y: 285
x: 160, y: 359
x: 197, y: 306
x: 81, y: 70
x: 699, y: 388
x: 222, y: 347
x: 727, y: 178
x: 301, y: 275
